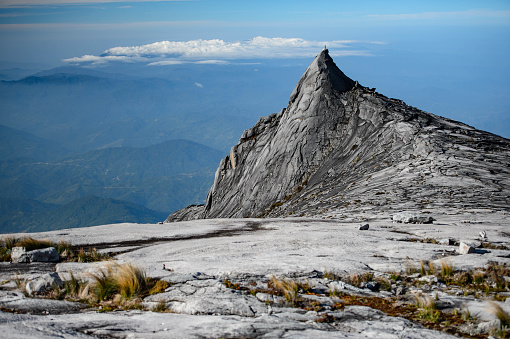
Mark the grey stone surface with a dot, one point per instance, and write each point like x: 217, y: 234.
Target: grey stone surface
x: 412, y: 218
x: 16, y: 301
x: 44, y: 283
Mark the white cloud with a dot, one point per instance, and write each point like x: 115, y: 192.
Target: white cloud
x: 165, y: 63
x: 199, y: 84
x: 213, y: 62
x: 103, y: 59
x: 218, y: 51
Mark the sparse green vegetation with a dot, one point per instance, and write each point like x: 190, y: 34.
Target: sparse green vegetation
x: 160, y: 307
x: 104, y: 285
x: 357, y: 279
x: 84, y: 256
x: 331, y: 276
x: 427, y: 308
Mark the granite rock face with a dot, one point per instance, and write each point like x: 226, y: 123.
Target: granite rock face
x: 339, y: 146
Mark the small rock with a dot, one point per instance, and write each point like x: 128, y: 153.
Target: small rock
x: 371, y: 285
x: 429, y: 279
x: 465, y: 248
x: 412, y: 218
x: 446, y: 241
x: 400, y: 291
x: 483, y: 235
x: 364, y: 227
x: 44, y: 283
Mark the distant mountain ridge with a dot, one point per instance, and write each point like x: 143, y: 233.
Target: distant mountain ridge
x: 18, y: 144
x: 171, y: 175
x: 33, y: 216
x: 86, y: 109
x: 339, y: 146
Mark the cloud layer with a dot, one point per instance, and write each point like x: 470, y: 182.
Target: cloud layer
x: 218, y: 51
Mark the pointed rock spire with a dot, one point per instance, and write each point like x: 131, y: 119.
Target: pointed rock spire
x: 322, y: 72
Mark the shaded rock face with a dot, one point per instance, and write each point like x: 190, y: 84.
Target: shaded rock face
x: 339, y: 146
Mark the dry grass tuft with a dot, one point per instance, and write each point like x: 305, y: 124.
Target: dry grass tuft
x: 160, y: 307
x: 357, y: 279
x: 158, y: 286
x: 499, y: 313
x: 8, y: 242
x: 90, y: 256
x: 446, y: 268
x: 104, y: 286
x: 74, y: 286
x: 427, y: 306
x: 424, y: 301
x: 33, y: 244
x: 288, y: 288
x: 131, y: 281
x: 124, y: 283
x: 21, y: 283
x: 331, y: 276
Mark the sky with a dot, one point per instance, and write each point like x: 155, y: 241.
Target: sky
x: 50, y: 31
x: 432, y: 44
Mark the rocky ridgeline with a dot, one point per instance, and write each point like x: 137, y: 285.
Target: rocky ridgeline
x: 340, y: 147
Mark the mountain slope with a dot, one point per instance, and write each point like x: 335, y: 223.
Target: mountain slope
x: 340, y: 146
x: 16, y: 144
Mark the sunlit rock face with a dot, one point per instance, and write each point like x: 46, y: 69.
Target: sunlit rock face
x: 339, y: 146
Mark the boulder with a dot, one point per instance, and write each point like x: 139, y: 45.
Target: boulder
x: 364, y: 227
x: 412, y: 218
x: 49, y: 254
x: 44, y: 283
x: 465, y: 248
x: 20, y: 255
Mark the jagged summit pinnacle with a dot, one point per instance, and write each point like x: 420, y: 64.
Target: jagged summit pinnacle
x: 339, y: 146
x: 322, y: 72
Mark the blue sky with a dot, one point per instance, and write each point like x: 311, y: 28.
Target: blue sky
x: 47, y: 31
x: 414, y: 50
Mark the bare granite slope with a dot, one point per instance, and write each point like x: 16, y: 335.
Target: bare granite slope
x: 340, y: 146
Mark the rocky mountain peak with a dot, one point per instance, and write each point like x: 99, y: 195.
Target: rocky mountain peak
x: 322, y: 73
x: 340, y: 146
